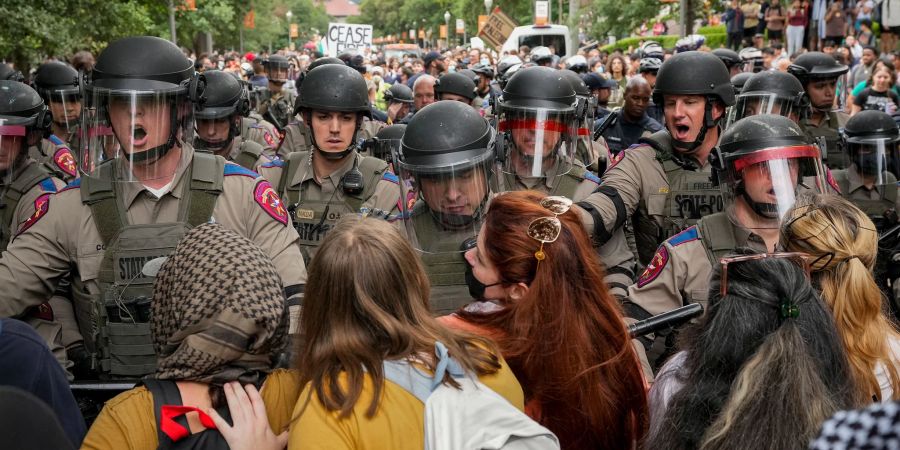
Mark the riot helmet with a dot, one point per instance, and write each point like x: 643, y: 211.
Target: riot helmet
x: 445, y: 161
x: 398, y: 93
x: 541, y: 56
x: 577, y: 64
x: 470, y: 74
x: 771, y: 92
x: 730, y: 58
x: 57, y: 83
x: 277, y: 69
x: 738, y: 81
x: 333, y: 88
x: 820, y: 72
x: 483, y: 69
x: 218, y: 119
x: 387, y: 141
x: 507, y: 66
x: 752, y: 59
x: 455, y: 86
x: 651, y: 65
x: 587, y: 105
x: 145, y: 89
x: 762, y: 162
x: 538, y: 123
x: 694, y: 73
x: 23, y: 121
x: 8, y: 73
x: 871, y: 139
x: 651, y: 49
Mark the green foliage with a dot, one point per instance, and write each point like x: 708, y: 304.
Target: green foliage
x: 714, y: 40
x: 621, y: 17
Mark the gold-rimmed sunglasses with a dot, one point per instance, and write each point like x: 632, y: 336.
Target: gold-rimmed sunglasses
x: 546, y: 229
x: 798, y: 258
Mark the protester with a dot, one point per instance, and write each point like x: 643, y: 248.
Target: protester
x: 797, y: 21
x: 368, y: 303
x: 563, y: 335
x: 879, y: 96
x: 218, y: 315
x: 842, y: 244
x: 762, y: 370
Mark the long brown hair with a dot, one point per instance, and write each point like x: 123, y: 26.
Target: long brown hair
x: 366, y: 301
x: 566, y: 339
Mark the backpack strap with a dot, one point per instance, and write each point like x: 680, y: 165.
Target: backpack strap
x: 420, y: 385
x: 292, y: 164
x: 164, y: 392
x: 33, y: 175
x: 717, y: 235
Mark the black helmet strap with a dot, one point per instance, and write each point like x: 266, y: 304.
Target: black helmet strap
x: 708, y: 122
x: 307, y: 117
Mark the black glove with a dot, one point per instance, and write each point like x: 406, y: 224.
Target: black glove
x: 81, y: 361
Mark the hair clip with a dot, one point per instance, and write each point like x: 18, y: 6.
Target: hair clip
x: 789, y: 310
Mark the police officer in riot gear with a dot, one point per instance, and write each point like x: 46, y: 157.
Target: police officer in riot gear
x: 539, y: 117
x: 333, y: 178
x: 771, y: 92
x: 278, y: 104
x: 133, y: 203
x: 8, y: 73
x: 819, y: 74
x: 26, y: 187
x: 57, y: 84
x: 731, y: 60
x: 761, y: 164
x: 455, y: 86
x: 219, y: 122
x: 738, y: 81
x: 591, y: 151
x: 484, y: 87
x: 445, y: 160
x: 399, y: 98
x: 665, y: 181
x: 870, y: 182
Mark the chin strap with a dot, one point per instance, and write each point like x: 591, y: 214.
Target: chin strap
x: 159, y: 151
x: 708, y: 122
x: 456, y: 221
x: 203, y: 144
x: 334, y: 156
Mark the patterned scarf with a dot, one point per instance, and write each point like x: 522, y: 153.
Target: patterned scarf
x: 218, y: 311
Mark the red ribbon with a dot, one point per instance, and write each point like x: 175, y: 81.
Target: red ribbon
x: 12, y: 130
x: 173, y: 429
x: 532, y: 124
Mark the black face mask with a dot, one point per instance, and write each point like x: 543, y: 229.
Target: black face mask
x: 476, y: 287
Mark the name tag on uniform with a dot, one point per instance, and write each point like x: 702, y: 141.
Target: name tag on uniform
x: 307, y: 214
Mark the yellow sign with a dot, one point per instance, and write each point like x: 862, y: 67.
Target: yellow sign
x: 295, y: 32
x: 498, y: 27
x: 443, y: 31
x: 482, y: 19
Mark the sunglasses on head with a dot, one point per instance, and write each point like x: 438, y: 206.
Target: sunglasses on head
x: 800, y: 259
x: 546, y: 229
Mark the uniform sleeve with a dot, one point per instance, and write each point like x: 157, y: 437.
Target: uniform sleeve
x: 630, y: 178
x: 40, y: 255
x: 317, y: 428
x: 387, y: 195
x: 126, y: 422
x: 661, y: 286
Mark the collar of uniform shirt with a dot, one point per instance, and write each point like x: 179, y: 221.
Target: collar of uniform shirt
x: 130, y: 191
x: 301, y: 176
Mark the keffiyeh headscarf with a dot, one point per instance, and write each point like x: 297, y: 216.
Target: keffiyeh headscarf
x: 218, y: 311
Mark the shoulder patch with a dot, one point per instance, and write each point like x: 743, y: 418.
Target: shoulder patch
x: 588, y: 175
x: 65, y: 161
x: 234, y: 169
x: 688, y: 235
x: 833, y: 183
x: 657, y: 263
x: 75, y: 184
x: 47, y: 185
x: 268, y: 200
x: 41, y: 207
x: 390, y: 177
x: 55, y: 140
x: 276, y: 162
x: 269, y: 139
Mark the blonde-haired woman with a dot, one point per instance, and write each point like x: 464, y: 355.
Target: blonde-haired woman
x: 842, y: 244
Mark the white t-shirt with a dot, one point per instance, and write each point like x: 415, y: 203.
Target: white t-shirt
x: 881, y: 373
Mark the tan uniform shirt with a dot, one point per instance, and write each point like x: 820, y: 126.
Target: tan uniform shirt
x: 66, y: 237
x: 298, y: 137
x: 317, y: 192
x: 239, y: 145
x: 858, y: 191
x: 261, y: 132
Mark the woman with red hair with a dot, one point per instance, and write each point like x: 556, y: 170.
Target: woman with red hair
x: 555, y: 323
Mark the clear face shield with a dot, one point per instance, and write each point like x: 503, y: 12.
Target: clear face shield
x: 873, y: 158
x: 755, y: 103
x: 148, y: 131
x: 447, y: 203
x: 279, y: 72
x: 65, y: 109
x: 762, y: 186
x: 382, y: 149
x: 15, y: 138
x: 539, y: 142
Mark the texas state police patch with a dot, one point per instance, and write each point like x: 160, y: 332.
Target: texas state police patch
x: 657, y: 263
x: 41, y: 207
x: 269, y: 139
x: 269, y: 201
x: 65, y: 161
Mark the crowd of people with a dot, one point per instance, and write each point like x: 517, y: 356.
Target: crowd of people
x: 458, y: 249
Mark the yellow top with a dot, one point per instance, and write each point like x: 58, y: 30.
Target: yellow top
x: 398, y: 423
x: 127, y: 421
